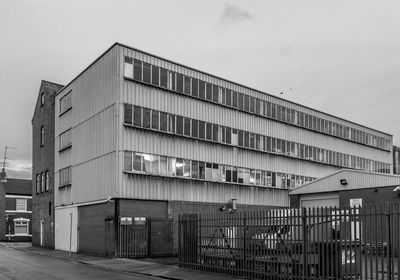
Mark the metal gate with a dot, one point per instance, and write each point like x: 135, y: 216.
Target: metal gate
x: 161, y: 237
x: 144, y: 237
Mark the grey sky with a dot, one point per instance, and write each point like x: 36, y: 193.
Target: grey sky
x: 341, y: 57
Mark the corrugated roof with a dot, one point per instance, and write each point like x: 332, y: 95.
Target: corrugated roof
x: 17, y: 186
x: 356, y: 179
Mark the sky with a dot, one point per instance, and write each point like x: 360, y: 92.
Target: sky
x: 340, y: 57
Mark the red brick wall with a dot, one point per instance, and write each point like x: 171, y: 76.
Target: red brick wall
x: 42, y: 160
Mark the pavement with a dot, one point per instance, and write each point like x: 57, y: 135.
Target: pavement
x: 165, y: 268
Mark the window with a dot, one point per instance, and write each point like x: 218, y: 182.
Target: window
x: 195, y: 128
x: 65, y: 139
x: 179, y: 125
x: 38, y: 183
x: 208, y: 131
x: 137, y: 116
x: 186, y: 126
x: 171, y: 80
x: 154, y: 119
x: 163, y: 77
x: 49, y: 208
x: 146, y: 72
x: 146, y: 118
x: 137, y: 70
x: 43, y: 187
x: 202, y: 129
x: 127, y: 113
x: 128, y: 67
x: 163, y: 121
x: 215, y: 93
x: 179, y: 83
x: 42, y: 99
x: 42, y: 136
x: 155, y: 75
x: 65, y: 176
x: 186, y: 88
x: 202, y: 89
x: 195, y: 87
x: 47, y: 181
x: 21, y: 226
x: 65, y: 102
x: 21, y: 204
x: 208, y: 91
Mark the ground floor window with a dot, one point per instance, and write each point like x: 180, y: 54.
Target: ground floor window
x: 21, y: 226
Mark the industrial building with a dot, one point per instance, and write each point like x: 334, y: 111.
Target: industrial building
x: 139, y: 136
x: 348, y: 188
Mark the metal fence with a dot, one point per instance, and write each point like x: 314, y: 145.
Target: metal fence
x: 315, y: 243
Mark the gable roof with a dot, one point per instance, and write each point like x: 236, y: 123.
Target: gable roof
x: 46, y: 86
x: 356, y: 179
x: 17, y: 186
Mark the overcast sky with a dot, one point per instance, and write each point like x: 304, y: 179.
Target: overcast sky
x: 340, y: 57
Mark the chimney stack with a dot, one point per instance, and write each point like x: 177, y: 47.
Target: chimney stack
x: 3, y: 175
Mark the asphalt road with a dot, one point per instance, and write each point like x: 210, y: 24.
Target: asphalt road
x: 21, y: 265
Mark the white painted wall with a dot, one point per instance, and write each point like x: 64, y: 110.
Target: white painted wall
x: 63, y: 225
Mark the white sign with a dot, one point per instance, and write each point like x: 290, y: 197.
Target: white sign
x: 126, y: 221
x: 140, y: 220
x: 356, y: 202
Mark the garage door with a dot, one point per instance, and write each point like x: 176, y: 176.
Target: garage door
x: 319, y: 200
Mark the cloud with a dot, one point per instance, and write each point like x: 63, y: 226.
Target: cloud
x: 19, y: 169
x: 233, y: 14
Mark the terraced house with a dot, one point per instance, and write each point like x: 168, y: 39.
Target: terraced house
x: 137, y: 135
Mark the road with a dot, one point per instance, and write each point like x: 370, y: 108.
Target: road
x: 21, y: 265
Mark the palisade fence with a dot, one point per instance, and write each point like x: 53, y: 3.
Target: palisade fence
x: 314, y: 243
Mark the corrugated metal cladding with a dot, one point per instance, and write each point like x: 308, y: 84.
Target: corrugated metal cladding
x: 208, y: 78
x: 93, y: 119
x: 355, y: 180
x: 148, y: 187
x: 163, y: 100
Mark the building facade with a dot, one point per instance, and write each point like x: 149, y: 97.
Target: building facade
x: 16, y: 209
x: 43, y: 166
x: 138, y: 135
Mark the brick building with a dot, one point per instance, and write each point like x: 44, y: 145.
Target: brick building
x: 43, y: 166
x: 16, y: 209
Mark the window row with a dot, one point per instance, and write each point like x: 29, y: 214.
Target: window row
x: 179, y: 125
x: 42, y: 182
x: 65, y: 176
x: 65, y: 102
x: 65, y: 139
x: 199, y: 170
x: 161, y: 77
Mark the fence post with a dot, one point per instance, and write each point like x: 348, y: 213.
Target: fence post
x: 389, y: 244
x: 305, y: 242
x: 244, y: 243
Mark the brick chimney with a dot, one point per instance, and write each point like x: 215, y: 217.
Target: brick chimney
x: 3, y: 175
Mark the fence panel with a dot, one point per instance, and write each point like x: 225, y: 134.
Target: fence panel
x: 314, y: 243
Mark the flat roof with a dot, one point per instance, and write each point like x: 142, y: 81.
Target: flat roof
x: 214, y: 76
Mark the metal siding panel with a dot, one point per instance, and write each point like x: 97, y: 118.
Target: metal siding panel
x: 93, y: 120
x: 149, y: 187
